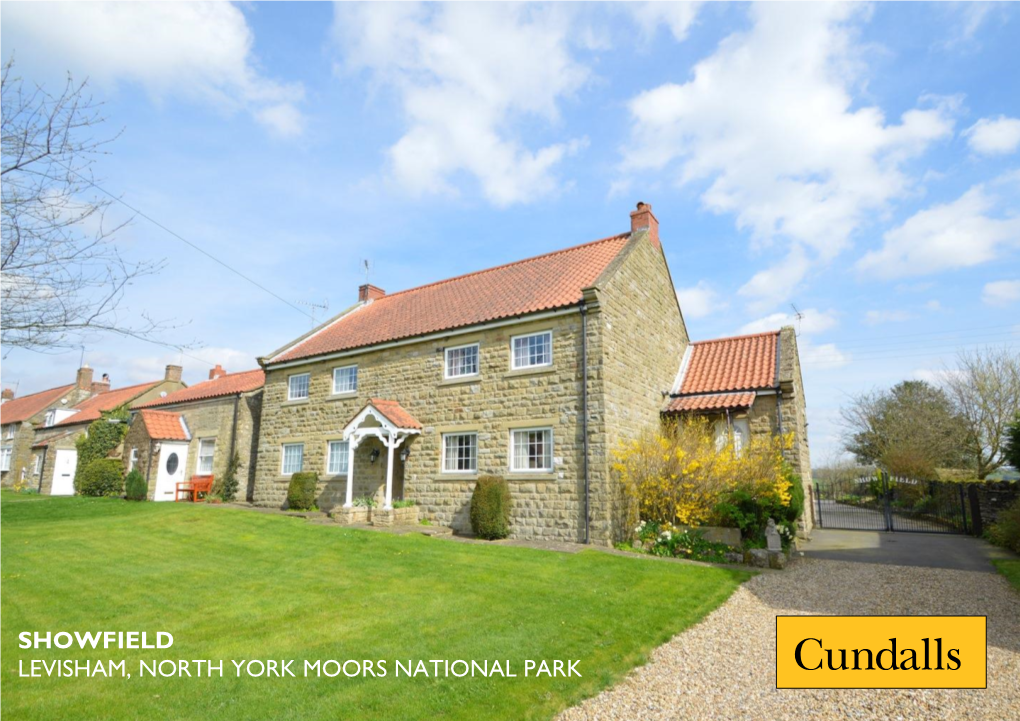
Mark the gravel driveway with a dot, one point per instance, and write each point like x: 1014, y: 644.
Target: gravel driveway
x: 724, y: 668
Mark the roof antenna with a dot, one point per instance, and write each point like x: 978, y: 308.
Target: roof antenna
x: 81, y: 361
x: 367, y: 265
x: 323, y: 306
x: 799, y: 316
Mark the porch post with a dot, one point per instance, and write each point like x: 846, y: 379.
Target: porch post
x: 351, y: 445
x: 390, y: 445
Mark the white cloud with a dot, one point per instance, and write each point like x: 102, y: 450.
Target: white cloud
x: 465, y: 73
x: 994, y: 136
x: 825, y: 356
x: 770, y: 123
x: 933, y: 305
x: 1001, y: 292
x: 811, y: 321
x: 959, y: 234
x: 677, y: 16
x: 876, y: 317
x: 699, y: 300
x: 197, y: 50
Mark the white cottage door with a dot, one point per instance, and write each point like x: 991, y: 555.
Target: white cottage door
x: 63, y: 473
x: 173, y: 459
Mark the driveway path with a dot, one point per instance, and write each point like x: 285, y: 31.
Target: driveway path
x: 933, y: 550
x: 724, y: 668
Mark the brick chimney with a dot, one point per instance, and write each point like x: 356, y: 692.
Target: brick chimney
x: 84, y: 381
x: 8, y: 395
x: 173, y: 373
x: 642, y: 219
x: 217, y: 372
x: 101, y: 385
x: 369, y: 292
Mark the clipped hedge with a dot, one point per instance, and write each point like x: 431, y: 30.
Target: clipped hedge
x: 101, y: 477
x: 490, y: 508
x: 135, y: 487
x: 301, y: 493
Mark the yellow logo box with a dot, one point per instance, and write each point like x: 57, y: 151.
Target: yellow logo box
x: 881, y: 652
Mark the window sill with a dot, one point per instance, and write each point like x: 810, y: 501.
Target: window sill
x: 457, y: 477
x: 345, y: 396
x: 297, y: 402
x: 537, y: 370
x: 461, y: 380
x: 536, y: 476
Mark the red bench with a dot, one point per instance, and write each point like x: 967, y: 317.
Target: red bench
x: 197, y: 484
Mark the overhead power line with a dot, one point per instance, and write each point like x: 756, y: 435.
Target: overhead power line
x: 181, y: 238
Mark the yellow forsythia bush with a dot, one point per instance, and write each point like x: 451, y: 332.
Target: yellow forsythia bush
x: 678, y: 474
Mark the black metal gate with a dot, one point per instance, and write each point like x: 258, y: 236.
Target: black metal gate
x: 889, y: 503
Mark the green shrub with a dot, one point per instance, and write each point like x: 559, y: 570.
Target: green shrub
x: 364, y: 502
x: 301, y: 494
x: 751, y: 514
x: 1006, y: 529
x: 135, y: 487
x: 102, y: 437
x: 404, y: 504
x: 228, y: 482
x: 101, y: 477
x: 490, y: 508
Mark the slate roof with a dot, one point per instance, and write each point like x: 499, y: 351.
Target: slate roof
x: 22, y: 409
x: 164, y: 426
x: 546, y: 282
x: 226, y: 385
x: 91, y: 409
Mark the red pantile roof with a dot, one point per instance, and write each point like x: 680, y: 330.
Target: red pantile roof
x: 21, y: 409
x: 546, y: 282
x: 226, y: 385
x: 395, y: 413
x: 741, y: 363
x: 710, y: 402
x: 91, y: 409
x: 164, y: 426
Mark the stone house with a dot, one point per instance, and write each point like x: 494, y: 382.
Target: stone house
x: 749, y: 385
x: 54, y: 442
x: 19, y: 418
x: 534, y: 371
x: 196, y: 431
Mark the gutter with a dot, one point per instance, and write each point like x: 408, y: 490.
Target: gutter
x: 584, y: 417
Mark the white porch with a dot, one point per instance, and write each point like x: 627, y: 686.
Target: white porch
x: 392, y: 426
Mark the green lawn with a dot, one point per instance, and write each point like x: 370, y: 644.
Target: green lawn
x: 231, y: 584
x: 1011, y: 570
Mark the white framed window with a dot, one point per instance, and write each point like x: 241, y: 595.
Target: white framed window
x: 531, y: 450
x: 531, y: 351
x: 462, y: 361
x: 5, y: 459
x: 206, y: 451
x: 297, y: 386
x: 345, y: 379
x: 9, y: 431
x: 51, y: 417
x: 460, y: 453
x: 337, y: 457
x: 293, y: 458
x: 37, y: 469
x: 132, y: 459
x: 741, y: 435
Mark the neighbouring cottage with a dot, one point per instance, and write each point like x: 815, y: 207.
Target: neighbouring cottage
x: 748, y: 385
x: 196, y: 431
x: 535, y: 371
x: 54, y: 442
x: 20, y: 417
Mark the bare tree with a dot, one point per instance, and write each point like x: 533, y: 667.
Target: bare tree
x: 985, y: 390
x: 62, y: 276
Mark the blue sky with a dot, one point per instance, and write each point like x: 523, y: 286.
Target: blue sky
x: 857, y: 161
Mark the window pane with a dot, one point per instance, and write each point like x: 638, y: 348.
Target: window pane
x: 533, y: 350
x: 462, y: 361
x: 293, y: 455
x: 345, y: 380
x: 532, y: 450
x: 338, y: 457
x: 298, y: 387
x: 460, y: 452
x: 206, y: 450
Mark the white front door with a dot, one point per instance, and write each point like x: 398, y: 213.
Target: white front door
x: 173, y: 459
x: 63, y: 473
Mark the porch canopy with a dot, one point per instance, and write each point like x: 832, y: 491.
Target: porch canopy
x: 391, y: 424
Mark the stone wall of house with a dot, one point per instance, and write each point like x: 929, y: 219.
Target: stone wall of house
x: 49, y: 462
x: 22, y: 462
x: 138, y: 438
x: 491, y: 404
x: 644, y: 337
x: 794, y: 407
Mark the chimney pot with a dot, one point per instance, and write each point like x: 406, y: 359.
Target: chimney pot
x: 84, y: 380
x: 173, y: 373
x: 101, y: 385
x: 8, y: 394
x: 369, y: 292
x: 217, y: 372
x: 642, y: 219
